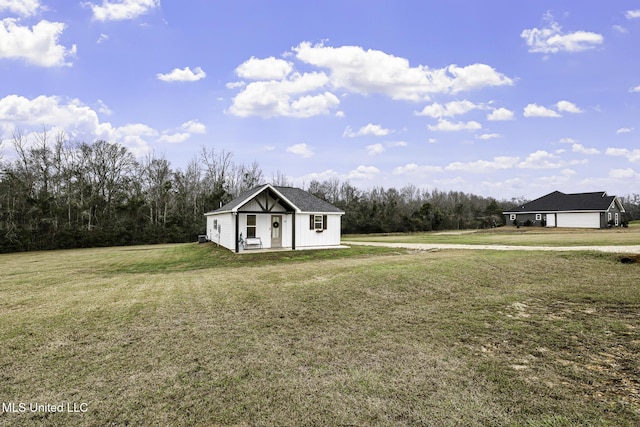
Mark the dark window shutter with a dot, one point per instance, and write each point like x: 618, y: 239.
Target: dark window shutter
x: 311, y: 224
x: 324, y: 222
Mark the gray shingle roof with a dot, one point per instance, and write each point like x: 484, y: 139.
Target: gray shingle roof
x: 559, y: 202
x: 302, y: 200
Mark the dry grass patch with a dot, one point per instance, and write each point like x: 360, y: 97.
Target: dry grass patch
x: 430, y: 338
x: 523, y: 236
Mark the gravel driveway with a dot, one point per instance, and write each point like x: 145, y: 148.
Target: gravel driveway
x: 429, y: 246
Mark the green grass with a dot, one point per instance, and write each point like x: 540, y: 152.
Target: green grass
x: 189, y: 257
x: 523, y: 236
x: 194, y: 335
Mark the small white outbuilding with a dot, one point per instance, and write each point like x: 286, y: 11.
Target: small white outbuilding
x: 275, y: 217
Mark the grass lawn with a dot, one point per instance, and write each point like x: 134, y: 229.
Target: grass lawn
x: 195, y: 335
x: 523, y: 236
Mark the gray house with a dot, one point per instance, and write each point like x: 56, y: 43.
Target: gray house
x: 580, y: 210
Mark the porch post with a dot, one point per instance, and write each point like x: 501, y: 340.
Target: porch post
x: 293, y: 231
x: 236, y: 233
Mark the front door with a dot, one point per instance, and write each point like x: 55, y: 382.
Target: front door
x: 276, y: 231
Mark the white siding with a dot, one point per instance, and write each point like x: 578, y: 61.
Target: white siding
x: 306, y: 237
x: 579, y: 219
x: 263, y: 228
x: 225, y: 235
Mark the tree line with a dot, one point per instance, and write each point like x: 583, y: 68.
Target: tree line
x: 56, y: 194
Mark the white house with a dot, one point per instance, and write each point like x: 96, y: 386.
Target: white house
x: 275, y: 217
x: 579, y: 210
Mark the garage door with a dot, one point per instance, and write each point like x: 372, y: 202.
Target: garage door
x: 581, y: 220
x: 551, y: 220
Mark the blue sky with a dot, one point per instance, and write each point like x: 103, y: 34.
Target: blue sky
x: 497, y: 98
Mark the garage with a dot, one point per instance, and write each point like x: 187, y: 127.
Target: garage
x: 551, y: 220
x: 578, y: 219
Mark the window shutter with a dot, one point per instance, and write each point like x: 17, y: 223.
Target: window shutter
x: 324, y: 222
x: 311, y: 224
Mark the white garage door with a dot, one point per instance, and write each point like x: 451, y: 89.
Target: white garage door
x: 581, y: 220
x: 551, y: 220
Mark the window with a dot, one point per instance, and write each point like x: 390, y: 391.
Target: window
x: 512, y: 217
x: 609, y: 216
x: 251, y: 226
x: 538, y: 217
x: 317, y: 222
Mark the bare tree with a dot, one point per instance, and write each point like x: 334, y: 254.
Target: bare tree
x: 280, y: 179
x: 217, y: 169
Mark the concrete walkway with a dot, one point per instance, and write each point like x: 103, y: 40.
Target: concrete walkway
x: 431, y: 246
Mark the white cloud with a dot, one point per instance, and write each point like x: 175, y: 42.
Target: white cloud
x: 568, y: 107
x: 313, y: 105
x: 415, y: 169
x: 579, y: 148
x: 77, y: 120
x: 38, y: 45
x: 278, y: 98
x: 351, y: 69
x: 318, y: 176
x: 487, y: 136
x: 184, y: 132
x: 375, y: 149
x: 373, y: 71
x: 484, y: 166
x: 631, y: 155
x: 567, y: 141
x: 632, y: 14
x: 551, y: 39
x: 103, y: 108
x: 449, y: 109
x: 620, y: 29
x: 623, y: 174
x: 364, y: 172
x: 635, y: 89
x: 624, y: 130
x: 103, y: 38
x: 534, y: 110
x: 268, y: 69
x: 48, y: 111
x: 272, y: 98
x: 174, y: 138
x: 134, y: 136
x: 370, y: 129
x: 185, y: 75
x: 500, y: 114
x: 21, y: 7
x: 397, y: 144
x: 194, y: 126
x: 301, y: 150
x: 541, y: 160
x: 447, y: 126
x: 554, y: 181
x: 235, y: 85
x: 122, y: 10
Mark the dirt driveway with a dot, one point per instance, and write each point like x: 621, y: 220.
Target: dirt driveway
x: 430, y: 246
